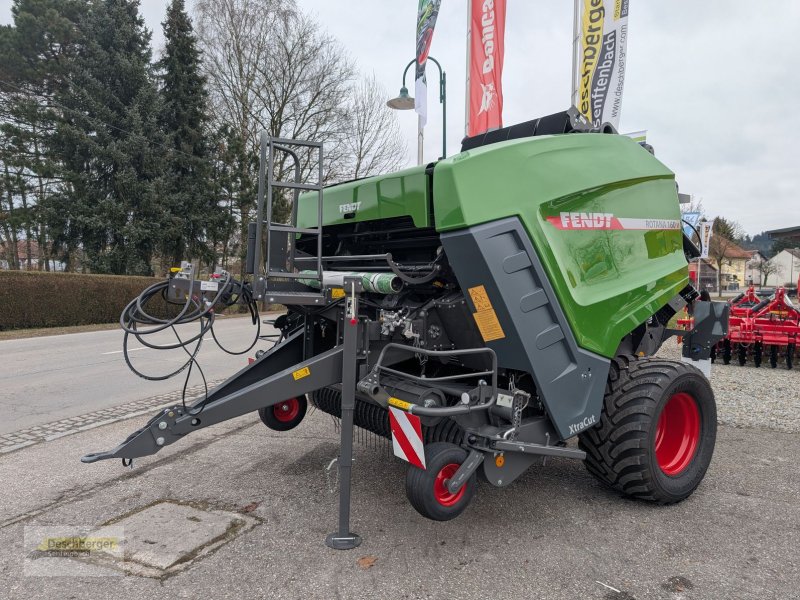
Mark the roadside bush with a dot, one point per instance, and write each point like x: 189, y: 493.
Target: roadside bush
x: 34, y: 299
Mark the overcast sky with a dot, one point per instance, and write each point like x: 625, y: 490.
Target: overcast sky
x: 711, y: 81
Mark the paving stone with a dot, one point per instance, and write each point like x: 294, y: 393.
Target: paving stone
x: 50, y: 431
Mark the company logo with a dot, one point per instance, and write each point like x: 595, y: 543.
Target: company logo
x: 607, y: 221
x: 581, y: 425
x: 489, y: 97
x: 592, y: 24
x: 487, y: 37
x: 349, y: 208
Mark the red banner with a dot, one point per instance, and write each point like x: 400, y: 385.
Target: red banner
x: 487, y: 46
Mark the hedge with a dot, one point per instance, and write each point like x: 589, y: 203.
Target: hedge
x: 37, y: 299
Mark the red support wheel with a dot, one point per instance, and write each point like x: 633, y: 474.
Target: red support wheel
x: 427, y: 489
x: 284, y: 415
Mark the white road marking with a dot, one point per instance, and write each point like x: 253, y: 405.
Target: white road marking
x: 121, y: 351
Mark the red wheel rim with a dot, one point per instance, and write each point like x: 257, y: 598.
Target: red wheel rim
x: 440, y: 491
x: 677, y: 433
x: 286, y: 411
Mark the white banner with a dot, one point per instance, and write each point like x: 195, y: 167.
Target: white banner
x: 705, y: 238
x: 599, y: 56
x: 426, y: 21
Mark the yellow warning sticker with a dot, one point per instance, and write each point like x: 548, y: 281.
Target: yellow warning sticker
x: 480, y: 298
x: 489, y: 325
x: 337, y: 293
x: 397, y: 403
x: 485, y: 317
x: 300, y: 373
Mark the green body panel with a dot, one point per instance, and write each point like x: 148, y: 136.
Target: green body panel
x: 400, y: 194
x: 607, y: 281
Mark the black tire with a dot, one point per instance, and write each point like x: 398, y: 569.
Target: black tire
x: 713, y: 355
x: 773, y: 356
x: 285, y: 415
x: 789, y: 355
x: 742, y: 354
x: 757, y: 354
x: 726, y: 352
x: 424, y: 488
x: 621, y: 449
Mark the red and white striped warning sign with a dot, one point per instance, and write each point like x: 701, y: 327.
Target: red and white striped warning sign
x: 407, y: 437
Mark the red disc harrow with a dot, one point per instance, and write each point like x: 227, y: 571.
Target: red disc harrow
x: 759, y: 330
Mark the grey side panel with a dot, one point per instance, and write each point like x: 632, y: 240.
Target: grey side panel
x: 499, y: 255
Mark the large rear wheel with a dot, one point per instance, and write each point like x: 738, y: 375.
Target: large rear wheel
x: 657, y: 432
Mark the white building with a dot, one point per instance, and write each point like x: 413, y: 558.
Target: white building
x: 788, y: 262
x: 752, y: 272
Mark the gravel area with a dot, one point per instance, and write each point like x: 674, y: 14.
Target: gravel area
x: 747, y: 396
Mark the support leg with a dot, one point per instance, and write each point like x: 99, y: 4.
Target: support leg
x: 344, y: 539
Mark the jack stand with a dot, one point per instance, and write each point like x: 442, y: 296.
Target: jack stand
x: 344, y: 539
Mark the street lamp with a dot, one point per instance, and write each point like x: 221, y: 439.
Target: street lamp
x: 406, y: 102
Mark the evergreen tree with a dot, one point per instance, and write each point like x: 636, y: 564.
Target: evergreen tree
x: 33, y: 55
x: 110, y: 140
x: 194, y: 219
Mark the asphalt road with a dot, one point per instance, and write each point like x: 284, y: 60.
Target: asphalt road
x: 45, y: 379
x: 553, y: 534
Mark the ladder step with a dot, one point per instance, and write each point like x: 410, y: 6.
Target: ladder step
x: 294, y: 298
x: 292, y: 229
x: 285, y: 275
x: 288, y: 142
x: 297, y: 186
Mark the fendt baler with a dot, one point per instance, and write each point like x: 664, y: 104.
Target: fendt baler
x: 480, y: 311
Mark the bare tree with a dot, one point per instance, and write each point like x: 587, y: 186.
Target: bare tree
x: 766, y: 268
x: 374, y: 142
x: 694, y: 205
x: 306, y: 91
x: 271, y: 68
x: 235, y: 37
x: 723, y: 242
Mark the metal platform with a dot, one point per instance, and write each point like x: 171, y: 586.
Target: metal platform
x: 276, y: 278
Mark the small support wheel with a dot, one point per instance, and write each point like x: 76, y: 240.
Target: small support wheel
x: 789, y: 355
x: 757, y: 354
x: 427, y: 489
x: 726, y: 352
x: 742, y: 354
x: 285, y: 415
x: 713, y: 355
x: 773, y: 356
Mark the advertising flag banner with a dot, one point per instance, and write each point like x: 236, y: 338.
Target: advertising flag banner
x: 640, y: 137
x: 426, y: 21
x: 601, y: 35
x: 690, y: 220
x: 486, y: 51
x: 705, y: 235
